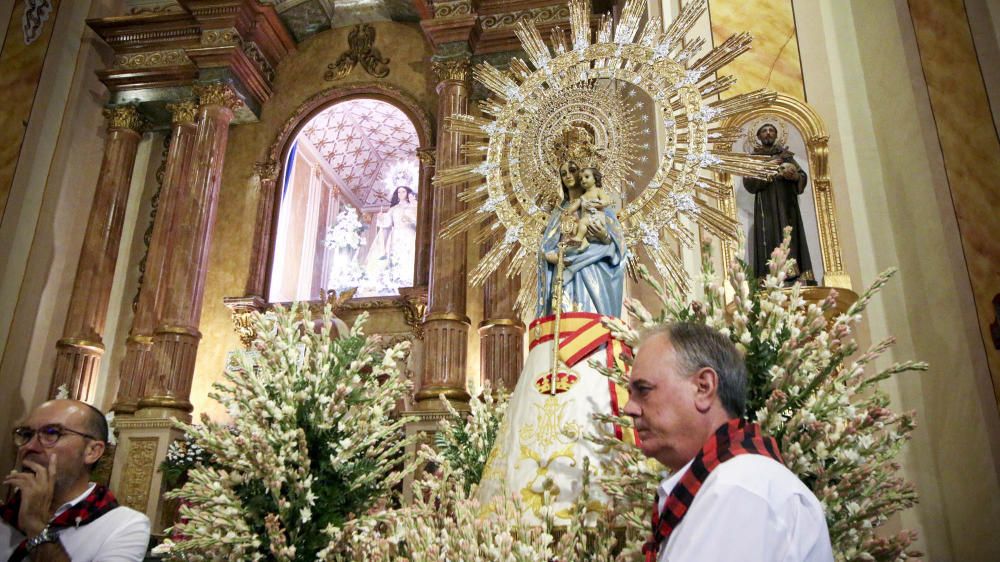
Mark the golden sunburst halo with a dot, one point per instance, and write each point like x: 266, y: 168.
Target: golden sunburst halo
x: 579, y: 83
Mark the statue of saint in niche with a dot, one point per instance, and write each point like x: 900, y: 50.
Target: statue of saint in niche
x: 776, y: 206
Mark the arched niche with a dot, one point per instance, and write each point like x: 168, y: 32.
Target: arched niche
x: 272, y: 175
x: 804, y: 127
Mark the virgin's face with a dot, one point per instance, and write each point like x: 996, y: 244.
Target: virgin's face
x: 567, y: 174
x: 402, y: 194
x: 587, y: 180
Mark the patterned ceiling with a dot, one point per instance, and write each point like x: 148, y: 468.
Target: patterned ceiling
x: 307, y: 17
x: 366, y: 142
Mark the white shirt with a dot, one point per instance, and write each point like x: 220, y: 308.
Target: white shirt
x: 120, y: 535
x: 751, y: 509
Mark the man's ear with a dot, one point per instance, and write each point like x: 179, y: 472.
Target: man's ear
x: 94, y: 452
x: 706, y: 382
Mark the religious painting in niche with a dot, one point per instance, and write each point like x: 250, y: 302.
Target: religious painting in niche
x: 348, y: 210
x: 765, y: 207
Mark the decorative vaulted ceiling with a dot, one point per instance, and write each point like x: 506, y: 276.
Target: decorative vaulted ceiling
x: 495, y: 18
x: 307, y: 17
x: 366, y: 143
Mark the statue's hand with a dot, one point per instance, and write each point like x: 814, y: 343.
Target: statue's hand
x: 789, y: 172
x: 598, y: 229
x: 552, y: 257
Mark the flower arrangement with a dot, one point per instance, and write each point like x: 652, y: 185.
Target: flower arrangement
x: 810, y: 390
x: 345, y: 233
x: 183, y: 455
x: 312, y: 470
x: 465, y: 442
x: 315, y: 443
x: 445, y: 520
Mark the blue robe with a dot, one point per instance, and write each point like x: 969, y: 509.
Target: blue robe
x: 593, y: 280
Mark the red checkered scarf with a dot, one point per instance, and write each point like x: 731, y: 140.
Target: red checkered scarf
x: 735, y: 437
x: 98, y: 502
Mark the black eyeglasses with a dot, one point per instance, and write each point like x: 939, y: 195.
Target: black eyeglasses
x: 48, y: 435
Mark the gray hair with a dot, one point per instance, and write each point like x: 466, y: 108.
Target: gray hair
x: 699, y: 346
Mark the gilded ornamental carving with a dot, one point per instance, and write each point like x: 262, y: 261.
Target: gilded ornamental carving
x: 222, y: 38
x: 218, y: 93
x: 543, y: 15
x: 139, y: 466
x: 169, y: 57
x: 183, y: 111
x: 123, y: 117
x: 361, y: 50
x: 451, y: 69
x: 452, y: 8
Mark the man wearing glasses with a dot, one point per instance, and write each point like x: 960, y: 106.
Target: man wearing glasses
x: 53, y: 511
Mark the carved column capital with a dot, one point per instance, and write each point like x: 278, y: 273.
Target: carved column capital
x: 426, y: 156
x: 183, y: 112
x: 124, y: 117
x: 456, y: 69
x: 266, y: 170
x: 218, y: 93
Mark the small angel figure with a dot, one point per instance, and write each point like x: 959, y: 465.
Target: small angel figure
x: 590, y: 206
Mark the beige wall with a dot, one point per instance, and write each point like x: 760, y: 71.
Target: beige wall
x: 862, y: 73
x: 52, y: 191
x: 300, y: 76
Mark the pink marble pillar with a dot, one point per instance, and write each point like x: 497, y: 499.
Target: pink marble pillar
x: 267, y: 178
x: 138, y: 363
x: 446, y: 326
x: 78, y: 353
x: 175, y: 340
x: 501, y: 334
x: 426, y: 200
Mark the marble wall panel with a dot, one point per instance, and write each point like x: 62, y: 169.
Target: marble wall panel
x: 20, y: 70
x: 773, y: 61
x: 970, y: 147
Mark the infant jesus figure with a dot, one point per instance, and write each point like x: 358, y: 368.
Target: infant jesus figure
x: 590, y: 206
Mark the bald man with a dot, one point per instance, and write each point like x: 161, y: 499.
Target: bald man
x: 53, y: 511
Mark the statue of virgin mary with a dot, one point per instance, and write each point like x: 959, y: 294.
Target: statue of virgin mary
x: 543, y: 441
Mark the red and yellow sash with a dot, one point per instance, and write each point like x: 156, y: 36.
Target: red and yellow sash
x: 580, y: 335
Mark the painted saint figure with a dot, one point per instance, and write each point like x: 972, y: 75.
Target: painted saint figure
x: 401, y: 246
x: 776, y: 206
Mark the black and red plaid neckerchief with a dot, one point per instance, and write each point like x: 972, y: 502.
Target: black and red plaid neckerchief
x: 98, y: 502
x: 735, y: 437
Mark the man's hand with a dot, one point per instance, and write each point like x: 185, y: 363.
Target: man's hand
x: 36, y: 495
x: 789, y: 172
x: 597, y: 229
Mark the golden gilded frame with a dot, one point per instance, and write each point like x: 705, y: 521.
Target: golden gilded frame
x: 801, y: 116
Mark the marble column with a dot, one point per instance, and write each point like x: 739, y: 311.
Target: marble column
x: 502, y: 332
x: 425, y: 198
x: 266, y: 179
x: 446, y: 326
x: 175, y: 340
x: 78, y: 353
x: 137, y: 363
